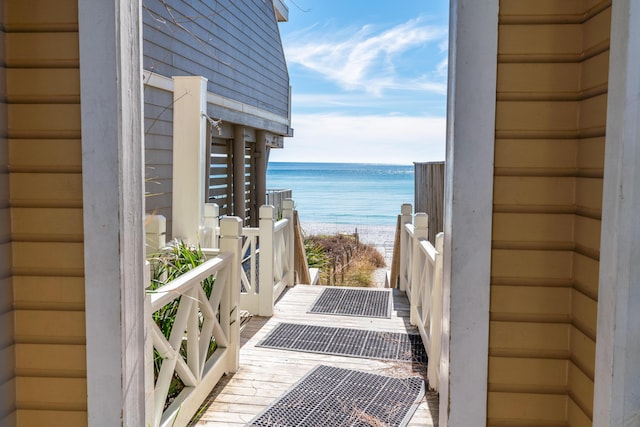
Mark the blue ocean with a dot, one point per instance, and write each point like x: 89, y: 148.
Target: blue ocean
x: 345, y: 193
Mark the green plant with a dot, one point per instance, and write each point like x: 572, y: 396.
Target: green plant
x: 168, y: 266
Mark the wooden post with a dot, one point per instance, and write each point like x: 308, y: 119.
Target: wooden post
x: 155, y: 229
x: 300, y: 256
x: 209, y: 233
x: 149, y: 386
x: 260, y: 155
x: 420, y: 231
x: 406, y: 211
x: 239, y: 202
x: 265, y: 292
x: 231, y: 242
x: 287, y: 212
x: 189, y: 152
x: 429, y: 194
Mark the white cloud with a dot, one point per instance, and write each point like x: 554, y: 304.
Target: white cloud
x: 364, y: 60
x: 364, y: 139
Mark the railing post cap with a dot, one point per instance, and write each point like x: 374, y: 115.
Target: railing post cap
x: 267, y: 212
x: 406, y: 209
x: 230, y: 226
x: 287, y: 204
x: 421, y: 220
x: 155, y: 223
x: 211, y: 209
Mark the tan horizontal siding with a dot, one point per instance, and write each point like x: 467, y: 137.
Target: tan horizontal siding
x: 49, y: 293
x: 44, y: 121
x: 64, y: 394
x: 46, y: 190
x: 31, y: 417
x: 526, y: 409
x: 38, y: 15
x: 43, y: 85
x: 50, y: 327
x: 50, y: 360
x: 45, y: 164
x: 45, y: 155
x: 46, y: 50
x: 549, y: 159
x: 47, y: 224
x: 518, y: 374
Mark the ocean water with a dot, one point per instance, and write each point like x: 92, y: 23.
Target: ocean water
x: 353, y: 194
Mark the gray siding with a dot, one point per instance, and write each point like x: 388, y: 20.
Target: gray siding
x: 7, y: 358
x: 234, y: 44
x: 158, y: 128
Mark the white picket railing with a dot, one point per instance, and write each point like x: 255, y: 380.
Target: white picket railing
x: 198, y: 320
x: 421, y: 279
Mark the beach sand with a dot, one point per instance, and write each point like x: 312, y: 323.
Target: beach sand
x: 380, y: 236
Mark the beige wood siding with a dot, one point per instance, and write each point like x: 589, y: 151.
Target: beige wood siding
x: 45, y: 197
x: 549, y: 157
x: 7, y: 348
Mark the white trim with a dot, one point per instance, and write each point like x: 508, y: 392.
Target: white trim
x: 165, y: 83
x: 468, y: 211
x: 113, y: 204
x: 617, y: 373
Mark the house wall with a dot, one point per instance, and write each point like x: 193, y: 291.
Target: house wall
x: 549, y: 157
x: 7, y: 349
x: 45, y: 199
x: 235, y: 45
x: 158, y: 137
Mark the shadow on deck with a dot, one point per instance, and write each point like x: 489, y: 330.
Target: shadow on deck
x: 265, y: 373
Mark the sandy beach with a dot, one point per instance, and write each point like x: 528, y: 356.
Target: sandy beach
x: 380, y: 236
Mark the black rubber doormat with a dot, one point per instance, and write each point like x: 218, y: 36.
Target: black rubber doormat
x: 346, y: 342
x: 329, y: 396
x: 353, y: 302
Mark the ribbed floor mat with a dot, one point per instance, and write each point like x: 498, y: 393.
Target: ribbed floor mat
x: 346, y: 342
x: 329, y: 396
x: 353, y: 302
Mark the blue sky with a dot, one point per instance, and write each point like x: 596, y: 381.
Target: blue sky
x: 368, y: 80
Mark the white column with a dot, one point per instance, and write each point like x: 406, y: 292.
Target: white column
x: 617, y: 373
x: 406, y: 211
x: 189, y: 156
x: 420, y: 231
x: 231, y: 241
x: 473, y: 43
x: 267, y: 220
x: 113, y: 209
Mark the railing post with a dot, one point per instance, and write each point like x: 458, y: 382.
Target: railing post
x: 231, y: 241
x: 155, y: 229
x: 406, y: 211
x: 149, y: 386
x: 433, y: 370
x: 287, y: 212
x: 265, y: 282
x: 420, y: 231
x: 210, y: 224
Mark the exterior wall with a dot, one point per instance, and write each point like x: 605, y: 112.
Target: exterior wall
x: 234, y: 44
x: 45, y: 198
x: 549, y: 157
x: 158, y: 137
x: 7, y: 348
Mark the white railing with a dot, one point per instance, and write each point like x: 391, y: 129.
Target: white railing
x: 421, y: 279
x: 275, y: 262
x: 188, y: 351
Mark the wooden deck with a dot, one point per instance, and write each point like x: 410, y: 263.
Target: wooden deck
x: 265, y: 374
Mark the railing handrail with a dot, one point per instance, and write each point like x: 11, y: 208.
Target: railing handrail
x: 177, y: 287
x: 421, y: 279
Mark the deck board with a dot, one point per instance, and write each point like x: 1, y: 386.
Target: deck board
x: 265, y: 373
